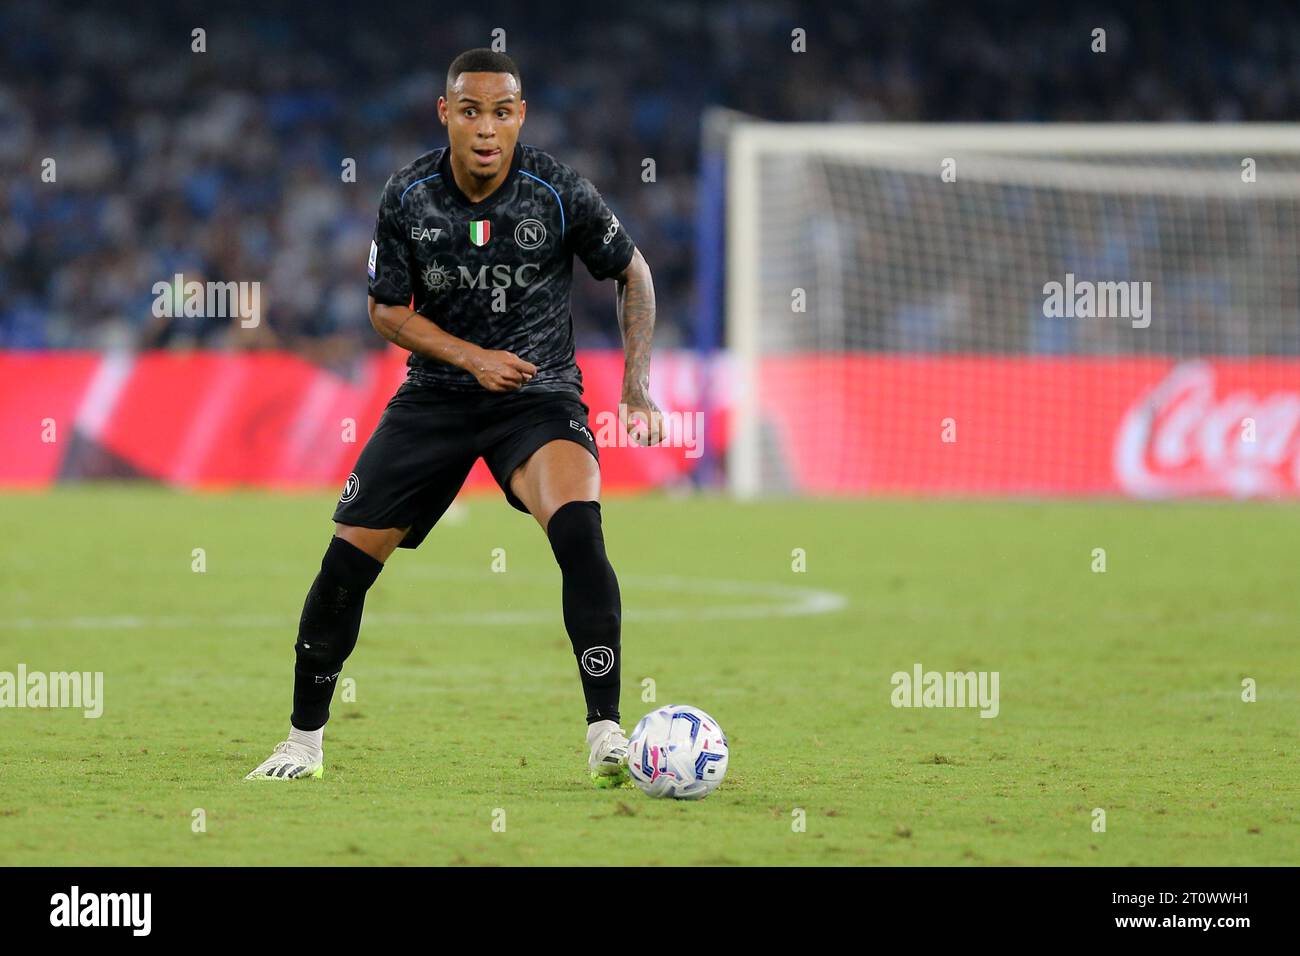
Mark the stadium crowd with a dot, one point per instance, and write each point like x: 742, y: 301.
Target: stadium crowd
x: 228, y: 164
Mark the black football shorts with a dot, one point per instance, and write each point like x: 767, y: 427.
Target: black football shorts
x: 420, y: 454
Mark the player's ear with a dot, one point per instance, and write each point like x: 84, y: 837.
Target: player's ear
x: 442, y: 110
x: 523, y: 110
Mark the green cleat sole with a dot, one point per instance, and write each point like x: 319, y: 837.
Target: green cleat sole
x: 610, y: 781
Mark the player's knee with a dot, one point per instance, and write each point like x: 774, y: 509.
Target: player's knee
x: 327, y: 631
x: 376, y: 543
x: 592, y: 605
x: 575, y: 533
x: 346, y: 572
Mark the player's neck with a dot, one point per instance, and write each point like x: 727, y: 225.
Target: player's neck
x: 475, y: 189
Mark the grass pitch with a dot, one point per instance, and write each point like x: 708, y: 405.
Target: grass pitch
x: 1119, y: 691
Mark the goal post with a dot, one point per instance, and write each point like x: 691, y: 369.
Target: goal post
x: 970, y: 309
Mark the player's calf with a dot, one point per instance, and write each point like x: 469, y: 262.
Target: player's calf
x: 593, y: 608
x: 327, y: 634
x: 327, y: 631
x: 328, y: 628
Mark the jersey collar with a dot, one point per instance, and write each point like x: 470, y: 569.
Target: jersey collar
x: 444, y: 167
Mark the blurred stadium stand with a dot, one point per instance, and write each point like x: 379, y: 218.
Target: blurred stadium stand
x: 225, y: 165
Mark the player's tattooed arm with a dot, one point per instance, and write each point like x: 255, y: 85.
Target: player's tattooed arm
x: 636, y: 320
x: 496, y: 371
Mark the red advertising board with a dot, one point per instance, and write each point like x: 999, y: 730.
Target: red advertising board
x: 266, y: 419
x: 981, y: 425
x: 839, y: 423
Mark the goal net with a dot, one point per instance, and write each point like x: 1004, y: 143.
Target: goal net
x: 968, y: 310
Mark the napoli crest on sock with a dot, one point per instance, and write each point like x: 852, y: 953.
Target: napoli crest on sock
x: 597, y: 661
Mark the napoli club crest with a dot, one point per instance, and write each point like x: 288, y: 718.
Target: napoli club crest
x: 530, y: 234
x: 597, y: 661
x: 350, y: 488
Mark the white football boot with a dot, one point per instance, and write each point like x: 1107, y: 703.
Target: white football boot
x: 289, y: 761
x: 608, y: 760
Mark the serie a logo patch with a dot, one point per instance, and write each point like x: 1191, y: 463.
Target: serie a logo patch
x: 480, y: 231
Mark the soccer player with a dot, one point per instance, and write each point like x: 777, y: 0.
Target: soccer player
x: 470, y: 270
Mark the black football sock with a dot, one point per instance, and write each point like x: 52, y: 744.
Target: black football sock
x: 593, y: 610
x: 327, y: 631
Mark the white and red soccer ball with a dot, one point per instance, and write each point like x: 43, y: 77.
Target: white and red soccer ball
x: 679, y: 752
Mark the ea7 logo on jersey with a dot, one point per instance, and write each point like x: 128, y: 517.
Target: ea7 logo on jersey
x: 597, y: 661
x: 579, y: 427
x: 420, y: 234
x: 612, y: 231
x: 374, y: 256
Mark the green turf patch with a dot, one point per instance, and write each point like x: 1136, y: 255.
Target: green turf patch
x: 1119, y: 691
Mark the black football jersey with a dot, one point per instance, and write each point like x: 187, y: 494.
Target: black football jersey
x: 498, y: 272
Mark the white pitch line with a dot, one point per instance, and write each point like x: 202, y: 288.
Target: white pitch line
x: 779, y: 601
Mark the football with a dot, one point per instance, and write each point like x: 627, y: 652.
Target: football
x: 678, y: 752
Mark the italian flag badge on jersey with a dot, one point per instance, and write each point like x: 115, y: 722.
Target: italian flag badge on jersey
x: 480, y: 231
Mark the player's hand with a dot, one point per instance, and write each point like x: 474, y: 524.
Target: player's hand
x: 642, y: 418
x: 501, y: 371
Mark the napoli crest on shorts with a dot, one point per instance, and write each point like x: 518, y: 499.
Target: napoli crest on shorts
x: 350, y: 488
x: 480, y: 231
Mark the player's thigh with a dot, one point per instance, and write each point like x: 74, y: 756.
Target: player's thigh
x: 555, y: 474
x: 407, y: 474
x: 542, y: 453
